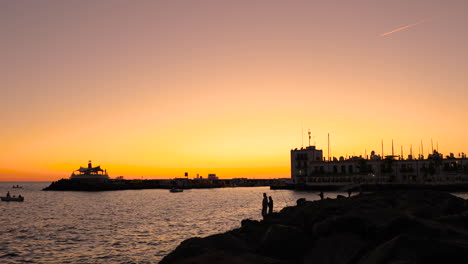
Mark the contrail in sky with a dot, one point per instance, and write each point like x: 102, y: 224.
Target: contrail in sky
x: 405, y: 27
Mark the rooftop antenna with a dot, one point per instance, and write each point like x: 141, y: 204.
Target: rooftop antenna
x: 382, y: 150
x: 402, y: 152
x: 437, y: 146
x: 432, y: 146
x: 302, y: 134
x: 309, y: 136
x: 422, y: 148
x: 411, y: 149
x: 393, y: 154
x: 328, y: 146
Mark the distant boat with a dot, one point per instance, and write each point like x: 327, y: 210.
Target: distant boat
x: 282, y: 187
x: 12, y: 199
x: 17, y: 186
x: 176, y: 190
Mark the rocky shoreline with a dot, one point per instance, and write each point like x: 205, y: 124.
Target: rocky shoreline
x: 404, y: 226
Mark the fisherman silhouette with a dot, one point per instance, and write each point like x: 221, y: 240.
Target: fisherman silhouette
x: 270, y: 205
x: 349, y: 192
x: 264, y: 205
x: 8, y: 194
x: 321, y: 195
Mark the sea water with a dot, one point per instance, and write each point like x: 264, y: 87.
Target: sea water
x: 130, y: 226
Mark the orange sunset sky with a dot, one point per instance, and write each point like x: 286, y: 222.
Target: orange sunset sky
x: 153, y: 89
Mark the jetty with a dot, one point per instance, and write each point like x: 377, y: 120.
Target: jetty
x: 94, y: 178
x: 373, y: 187
x: 137, y: 184
x: 405, y: 226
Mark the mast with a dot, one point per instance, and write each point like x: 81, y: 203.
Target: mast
x: 401, y: 152
x: 422, y: 148
x: 432, y: 147
x: 309, y: 136
x: 393, y: 154
x: 382, y: 150
x: 328, y: 146
x: 302, y: 134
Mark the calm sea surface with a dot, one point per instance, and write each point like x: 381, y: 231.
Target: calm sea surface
x: 133, y: 226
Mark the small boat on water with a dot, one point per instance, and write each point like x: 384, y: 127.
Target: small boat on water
x: 17, y: 186
x: 176, y: 190
x: 12, y: 199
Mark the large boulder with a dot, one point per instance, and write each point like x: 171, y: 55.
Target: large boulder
x: 283, y: 242
x: 225, y: 257
x: 419, y: 250
x: 194, y: 247
x: 335, y: 248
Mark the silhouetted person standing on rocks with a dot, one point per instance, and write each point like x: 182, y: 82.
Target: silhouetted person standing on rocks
x: 321, y: 195
x: 270, y: 206
x: 349, y: 192
x: 264, y: 205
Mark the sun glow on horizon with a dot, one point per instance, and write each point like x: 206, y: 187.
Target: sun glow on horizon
x: 152, y: 89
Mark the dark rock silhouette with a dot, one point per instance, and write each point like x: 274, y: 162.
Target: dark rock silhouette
x: 339, y: 196
x: 411, y: 226
x: 300, y: 201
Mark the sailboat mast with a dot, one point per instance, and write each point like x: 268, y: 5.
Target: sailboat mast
x: 422, y: 148
x: 382, y: 150
x: 302, y: 133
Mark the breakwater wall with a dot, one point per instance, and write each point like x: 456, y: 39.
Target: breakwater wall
x: 367, y: 187
x: 183, y: 183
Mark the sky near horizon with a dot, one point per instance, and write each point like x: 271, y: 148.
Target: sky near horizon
x: 153, y: 89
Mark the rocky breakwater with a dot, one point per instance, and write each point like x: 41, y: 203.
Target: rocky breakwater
x: 416, y: 226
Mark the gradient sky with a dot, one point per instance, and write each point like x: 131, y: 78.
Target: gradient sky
x: 155, y: 88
